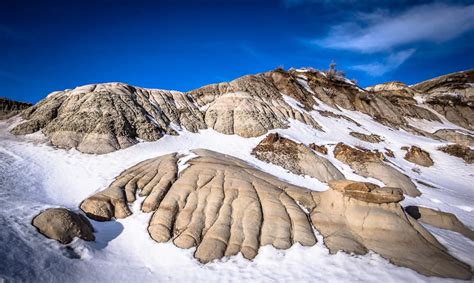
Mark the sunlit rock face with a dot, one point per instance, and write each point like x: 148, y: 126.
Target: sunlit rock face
x: 222, y: 206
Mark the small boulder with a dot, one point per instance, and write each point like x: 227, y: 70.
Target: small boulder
x: 63, y: 225
x: 319, y: 148
x: 419, y: 156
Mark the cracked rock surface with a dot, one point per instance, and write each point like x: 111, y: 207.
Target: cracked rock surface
x: 222, y: 206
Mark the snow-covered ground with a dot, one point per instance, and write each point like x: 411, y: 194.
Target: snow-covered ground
x: 35, y: 176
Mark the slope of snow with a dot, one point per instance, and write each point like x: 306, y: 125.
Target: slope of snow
x: 35, y: 176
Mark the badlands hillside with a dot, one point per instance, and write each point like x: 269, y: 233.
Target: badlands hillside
x: 288, y: 175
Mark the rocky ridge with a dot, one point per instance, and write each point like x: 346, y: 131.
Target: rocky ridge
x: 102, y: 118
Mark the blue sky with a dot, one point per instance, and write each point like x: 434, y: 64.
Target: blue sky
x: 54, y: 45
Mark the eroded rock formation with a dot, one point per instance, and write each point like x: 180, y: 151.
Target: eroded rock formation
x: 372, y: 138
x: 440, y: 219
x: 295, y: 157
x: 452, y: 96
x: 101, y: 118
x: 419, y: 156
x: 10, y: 108
x: 222, y: 206
x: 459, y: 151
x: 456, y: 136
x: 63, y: 225
x: 372, y: 164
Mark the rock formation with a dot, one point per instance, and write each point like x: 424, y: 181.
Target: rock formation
x: 10, y: 108
x: 460, y: 151
x: 319, y: 148
x: 440, y: 219
x: 372, y: 138
x: 456, y: 136
x: 101, y: 118
x: 63, y: 225
x: 452, y: 96
x: 223, y: 206
x: 371, y: 164
x: 418, y: 156
x: 297, y: 158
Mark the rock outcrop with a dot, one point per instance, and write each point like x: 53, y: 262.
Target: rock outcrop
x: 101, y: 118
x: 372, y: 138
x: 456, y: 136
x: 419, y: 156
x: 105, y: 117
x: 223, y: 206
x: 63, y: 225
x: 10, y: 108
x: 319, y: 148
x: 440, y: 219
x: 460, y: 151
x: 371, y: 164
x: 452, y: 96
x: 295, y: 157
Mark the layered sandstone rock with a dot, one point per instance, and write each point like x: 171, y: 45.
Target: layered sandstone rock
x: 459, y: 151
x: 63, y: 225
x: 361, y: 224
x: 440, y: 219
x: 295, y: 157
x: 419, y: 156
x: 105, y: 117
x: 223, y: 206
x: 372, y: 164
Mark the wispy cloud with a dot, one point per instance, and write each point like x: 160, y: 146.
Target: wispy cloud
x: 382, y: 31
x: 391, y: 63
x: 9, y: 76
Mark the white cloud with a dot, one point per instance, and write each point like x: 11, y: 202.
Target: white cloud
x: 381, y: 31
x: 391, y: 63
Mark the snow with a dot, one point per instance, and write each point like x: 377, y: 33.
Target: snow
x: 35, y: 176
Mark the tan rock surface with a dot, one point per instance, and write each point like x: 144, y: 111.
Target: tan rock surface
x: 295, y: 157
x: 222, y: 206
x: 63, y: 225
x: 456, y: 136
x: 371, y: 164
x: 372, y: 138
x: 419, y: 156
x: 440, y: 219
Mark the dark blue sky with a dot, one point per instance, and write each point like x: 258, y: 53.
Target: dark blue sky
x: 181, y: 45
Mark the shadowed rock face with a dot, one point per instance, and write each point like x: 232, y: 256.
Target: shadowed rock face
x: 222, y: 206
x: 418, y: 156
x: 10, y: 108
x: 371, y: 164
x: 297, y: 158
x: 63, y: 225
x: 440, y: 219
